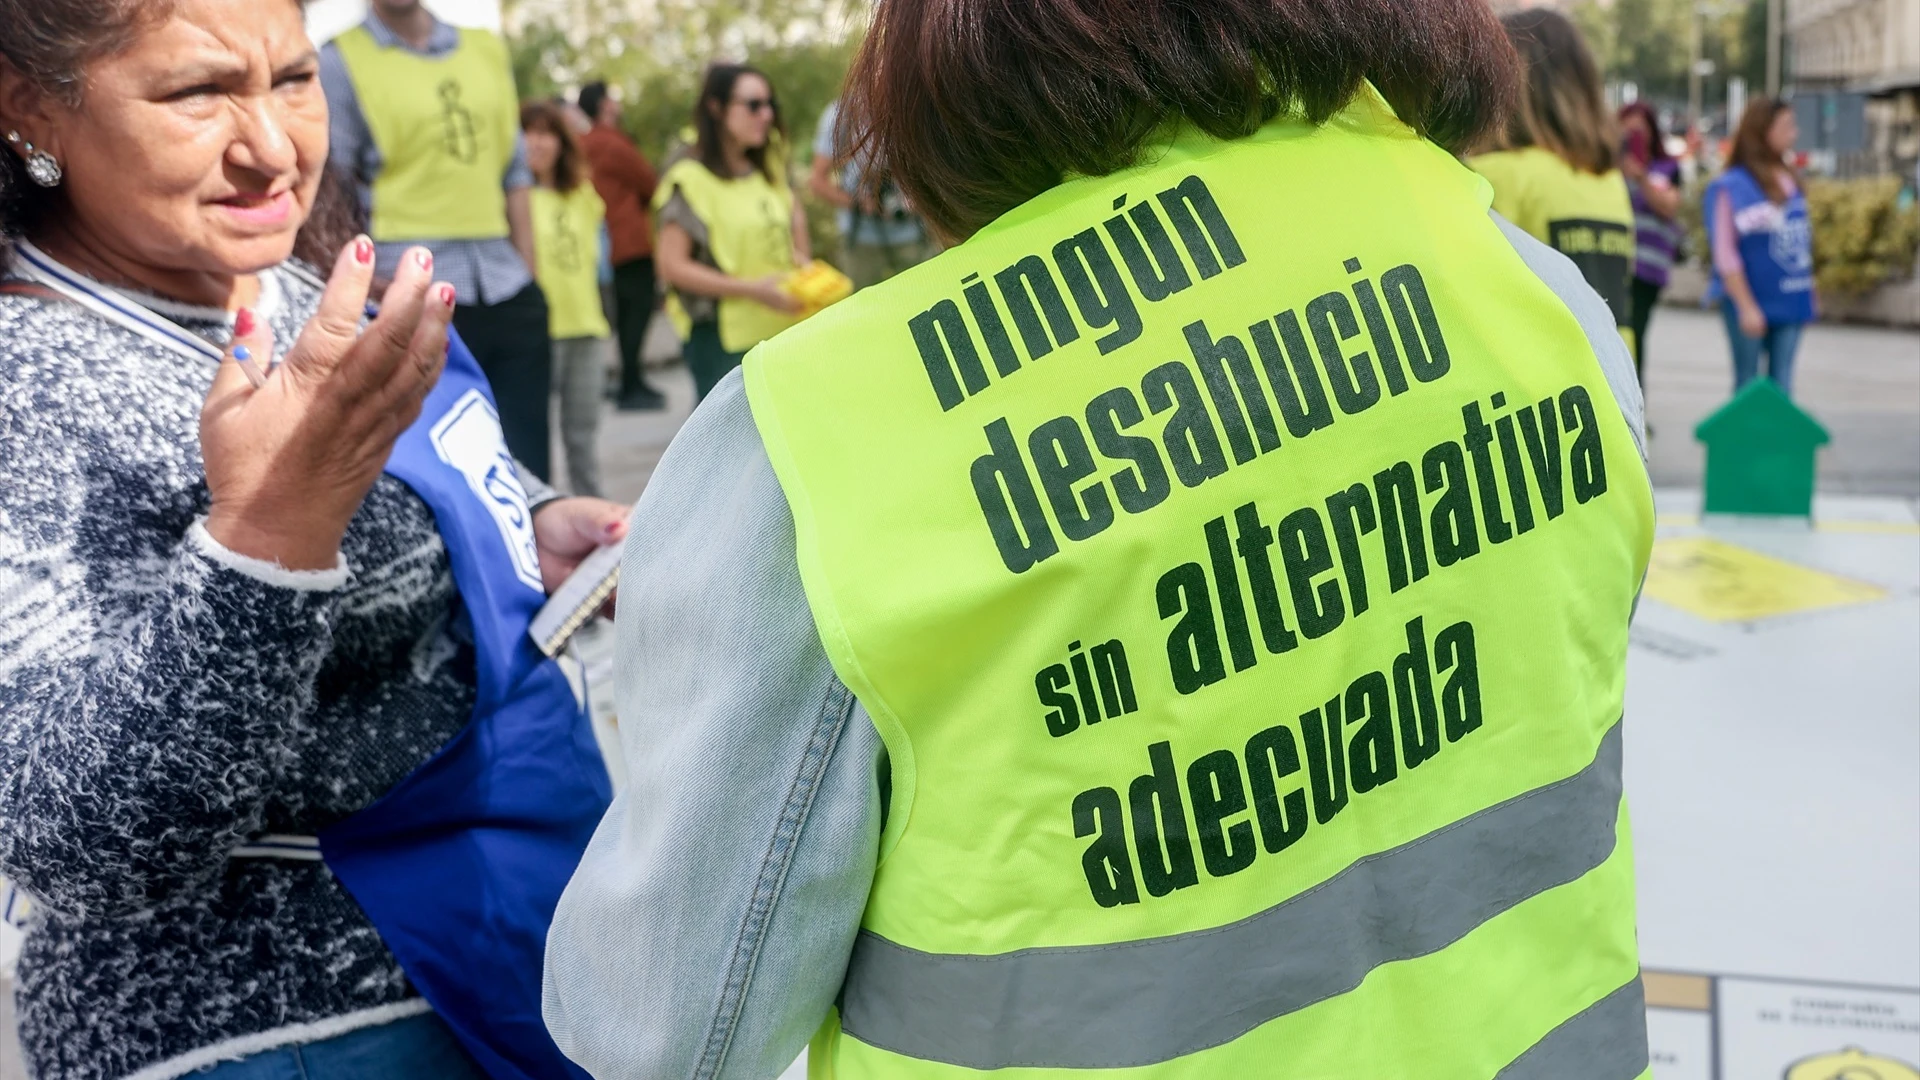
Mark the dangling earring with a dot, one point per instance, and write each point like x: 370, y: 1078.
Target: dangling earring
x: 42, y: 169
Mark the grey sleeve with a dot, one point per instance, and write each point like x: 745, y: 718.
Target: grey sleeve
x: 1616, y: 363
x: 539, y: 492
x: 707, y: 930
x: 519, y: 174
x: 352, y: 149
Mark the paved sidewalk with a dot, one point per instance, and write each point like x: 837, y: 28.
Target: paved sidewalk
x: 1773, y: 775
x: 1862, y: 382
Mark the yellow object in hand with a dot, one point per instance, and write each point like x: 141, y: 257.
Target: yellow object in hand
x: 817, y: 285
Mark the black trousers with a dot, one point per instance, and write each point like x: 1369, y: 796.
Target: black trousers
x: 510, y: 341
x: 633, y: 300
x: 708, y: 359
x: 1643, y: 297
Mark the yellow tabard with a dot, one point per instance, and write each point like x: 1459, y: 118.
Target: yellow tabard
x: 1235, y: 554
x: 1585, y: 216
x: 749, y: 223
x: 566, y: 244
x: 446, y: 128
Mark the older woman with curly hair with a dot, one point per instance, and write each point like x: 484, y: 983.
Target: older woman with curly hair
x: 291, y: 787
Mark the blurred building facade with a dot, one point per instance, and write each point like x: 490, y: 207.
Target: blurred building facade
x: 1855, y: 74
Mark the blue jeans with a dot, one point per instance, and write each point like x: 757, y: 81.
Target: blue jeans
x: 411, y: 1049
x: 1780, y: 342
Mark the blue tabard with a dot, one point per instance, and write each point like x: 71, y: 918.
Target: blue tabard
x: 1776, y: 246
x: 460, y: 866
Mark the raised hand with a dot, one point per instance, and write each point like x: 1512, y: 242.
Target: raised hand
x: 289, y: 462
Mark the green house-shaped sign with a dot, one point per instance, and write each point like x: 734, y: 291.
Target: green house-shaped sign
x: 1760, y: 450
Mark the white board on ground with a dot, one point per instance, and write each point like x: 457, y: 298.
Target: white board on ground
x: 1681, y: 1044
x: 1808, y: 1031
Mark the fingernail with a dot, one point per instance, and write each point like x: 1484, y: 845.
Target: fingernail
x: 363, y: 251
x: 447, y: 295
x: 424, y: 258
x: 243, y: 322
x: 242, y: 354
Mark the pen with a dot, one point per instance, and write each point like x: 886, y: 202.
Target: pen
x: 244, y: 357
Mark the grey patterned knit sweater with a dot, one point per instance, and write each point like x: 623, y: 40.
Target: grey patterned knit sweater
x: 163, y: 700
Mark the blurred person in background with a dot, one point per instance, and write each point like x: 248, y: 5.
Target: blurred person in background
x: 567, y: 228
x: 1555, y: 172
x: 289, y: 786
x: 729, y: 227
x: 1130, y: 643
x: 626, y: 181
x: 879, y: 235
x: 426, y: 119
x: 1762, y: 245
x: 1653, y: 182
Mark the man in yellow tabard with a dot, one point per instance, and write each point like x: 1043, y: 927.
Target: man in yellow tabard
x: 425, y: 121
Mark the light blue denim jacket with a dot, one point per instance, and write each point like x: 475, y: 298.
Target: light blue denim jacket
x: 707, y: 930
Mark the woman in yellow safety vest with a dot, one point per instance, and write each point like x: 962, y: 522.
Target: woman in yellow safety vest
x: 568, y: 220
x: 730, y: 229
x: 1556, y: 173
x: 1177, y: 632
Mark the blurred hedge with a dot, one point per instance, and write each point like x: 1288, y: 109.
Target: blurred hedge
x: 1862, y: 238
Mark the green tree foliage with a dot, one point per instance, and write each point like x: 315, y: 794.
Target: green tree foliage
x: 1646, y: 42
x: 656, y: 54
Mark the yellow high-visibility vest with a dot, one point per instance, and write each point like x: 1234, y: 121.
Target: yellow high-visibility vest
x: 1235, y: 554
x: 1585, y: 216
x: 749, y: 222
x: 446, y: 128
x: 566, y: 246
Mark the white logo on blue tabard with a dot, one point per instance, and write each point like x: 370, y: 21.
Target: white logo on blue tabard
x: 1792, y: 244
x: 468, y: 438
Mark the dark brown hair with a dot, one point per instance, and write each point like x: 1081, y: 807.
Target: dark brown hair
x: 709, y: 118
x: 1563, y: 108
x: 569, y: 169
x: 976, y: 106
x: 1750, y: 150
x: 50, y: 44
x: 1656, y: 138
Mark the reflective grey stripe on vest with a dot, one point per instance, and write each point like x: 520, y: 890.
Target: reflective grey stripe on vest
x: 1141, y: 1002
x: 1606, y: 1039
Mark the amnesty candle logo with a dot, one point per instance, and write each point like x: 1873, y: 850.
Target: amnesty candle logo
x: 456, y: 124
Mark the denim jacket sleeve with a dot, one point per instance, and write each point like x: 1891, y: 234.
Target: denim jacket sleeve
x: 708, y: 927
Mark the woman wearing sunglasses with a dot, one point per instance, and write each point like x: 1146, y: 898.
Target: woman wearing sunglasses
x: 730, y: 227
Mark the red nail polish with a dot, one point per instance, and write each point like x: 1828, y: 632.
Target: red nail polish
x: 424, y: 258
x: 243, y: 322
x: 447, y: 295
x: 363, y: 251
